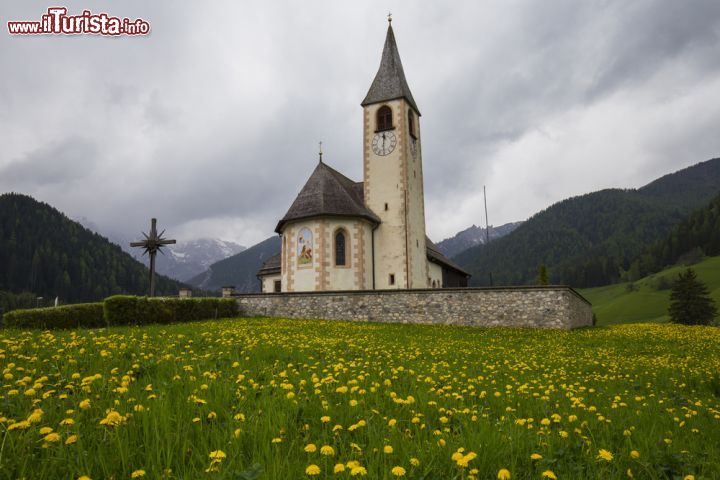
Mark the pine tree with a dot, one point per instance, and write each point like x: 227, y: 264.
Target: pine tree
x: 542, y: 275
x: 689, y: 301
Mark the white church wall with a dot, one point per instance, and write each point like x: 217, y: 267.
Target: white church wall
x: 416, y: 204
x: 344, y: 277
x: 434, y: 274
x: 384, y: 185
x: 301, y: 272
x: 316, y: 270
x: 268, y: 283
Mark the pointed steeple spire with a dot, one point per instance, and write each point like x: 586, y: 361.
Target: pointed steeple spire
x: 390, y: 83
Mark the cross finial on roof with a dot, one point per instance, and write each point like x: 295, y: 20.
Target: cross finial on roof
x: 389, y: 17
x: 320, y: 151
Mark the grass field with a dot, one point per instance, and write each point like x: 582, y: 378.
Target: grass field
x: 305, y: 399
x: 615, y: 304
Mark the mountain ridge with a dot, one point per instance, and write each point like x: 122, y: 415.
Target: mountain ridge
x: 472, y: 236
x: 589, y: 240
x: 44, y: 252
x: 238, y: 270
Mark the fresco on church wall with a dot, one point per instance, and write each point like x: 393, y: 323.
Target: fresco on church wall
x: 305, y: 247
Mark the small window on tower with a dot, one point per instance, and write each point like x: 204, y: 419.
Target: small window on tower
x: 392, y: 279
x: 384, y: 118
x: 386, y: 207
x: 278, y: 286
x: 411, y: 124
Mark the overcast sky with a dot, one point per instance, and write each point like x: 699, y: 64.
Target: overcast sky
x: 211, y: 122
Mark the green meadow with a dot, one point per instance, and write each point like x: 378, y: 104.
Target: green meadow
x: 291, y: 399
x: 647, y: 300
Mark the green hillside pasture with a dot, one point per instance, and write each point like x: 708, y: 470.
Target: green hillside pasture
x: 615, y: 304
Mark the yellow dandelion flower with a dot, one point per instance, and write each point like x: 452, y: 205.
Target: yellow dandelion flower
x: 137, y: 474
x: 604, y: 455
x: 398, y: 471
x: 276, y: 440
x: 71, y: 439
x: 84, y: 477
x: 324, y: 419
x: 503, y: 474
x: 85, y: 404
x: 217, y: 455
x: 312, y: 470
x: 414, y: 462
x: 35, y: 416
x: 549, y: 474
x: 535, y: 456
x: 327, y: 450
x: 67, y: 421
x: 388, y: 449
x: 21, y: 425
x: 359, y: 470
x: 339, y: 468
x: 689, y: 477
x: 112, y: 419
x: 52, y: 437
x: 310, y: 448
x: 634, y: 454
x: 45, y: 430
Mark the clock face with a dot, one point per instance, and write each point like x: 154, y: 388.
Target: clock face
x: 384, y: 143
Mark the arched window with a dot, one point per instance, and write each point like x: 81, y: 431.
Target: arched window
x: 411, y: 124
x: 384, y: 118
x: 340, y: 248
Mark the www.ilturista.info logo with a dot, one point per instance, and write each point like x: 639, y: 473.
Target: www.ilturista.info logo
x: 58, y: 22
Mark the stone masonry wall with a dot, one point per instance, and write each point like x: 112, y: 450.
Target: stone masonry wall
x: 540, y: 307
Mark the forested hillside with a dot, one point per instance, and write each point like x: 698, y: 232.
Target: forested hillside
x: 44, y: 252
x: 697, y: 235
x: 593, y: 239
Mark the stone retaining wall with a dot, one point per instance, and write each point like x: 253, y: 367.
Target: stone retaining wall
x: 539, y: 307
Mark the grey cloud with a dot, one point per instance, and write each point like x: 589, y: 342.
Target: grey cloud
x: 64, y: 162
x: 215, y: 117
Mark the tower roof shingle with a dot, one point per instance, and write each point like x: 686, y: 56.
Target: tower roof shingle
x: 390, y: 83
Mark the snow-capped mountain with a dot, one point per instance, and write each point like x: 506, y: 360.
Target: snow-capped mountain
x: 473, y: 236
x: 184, y: 260
x: 181, y: 261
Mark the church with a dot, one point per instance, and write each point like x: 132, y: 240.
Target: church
x: 340, y: 234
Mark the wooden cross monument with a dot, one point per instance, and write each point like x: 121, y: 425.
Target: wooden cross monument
x: 152, y: 244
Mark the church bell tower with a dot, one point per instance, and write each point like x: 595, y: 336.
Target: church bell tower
x: 393, y: 175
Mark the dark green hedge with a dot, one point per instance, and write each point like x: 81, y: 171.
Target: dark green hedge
x: 86, y: 315
x: 122, y: 310
x: 130, y: 310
